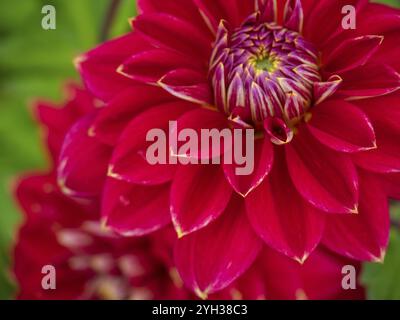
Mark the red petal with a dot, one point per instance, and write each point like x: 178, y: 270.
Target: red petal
x: 323, y: 90
x: 384, y: 115
x: 352, y: 53
x: 212, y: 258
x: 342, y: 127
x: 369, y: 81
x: 183, y: 9
x: 112, y: 120
x: 391, y: 183
x: 98, y: 67
x: 293, y: 227
x: 234, y: 11
x: 363, y: 236
x: 293, y: 15
x: 304, y: 281
x: 134, y: 210
x: 129, y: 158
x: 199, y: 195
x: 327, y: 179
x: 198, y: 121
x: 188, y: 85
x: 263, y: 159
x: 170, y: 32
x: 83, y: 161
x: 150, y: 66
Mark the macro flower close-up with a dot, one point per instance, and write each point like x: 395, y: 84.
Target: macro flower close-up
x: 221, y: 150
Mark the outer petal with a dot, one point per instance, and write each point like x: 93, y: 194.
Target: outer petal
x: 212, y: 258
x: 188, y: 85
x: 320, y: 30
x: 352, y: 53
x: 112, y: 120
x: 342, y: 127
x: 170, y: 32
x: 199, y: 195
x: 98, y: 67
x: 304, y: 281
x: 150, y: 66
x: 328, y: 180
x: 183, y: 9
x: 234, y: 11
x: 129, y: 161
x: 363, y: 236
x: 263, y: 159
x: 134, y: 210
x: 199, y: 120
x: 83, y: 161
x: 293, y: 227
x: 391, y: 183
x: 384, y: 114
x: 369, y: 81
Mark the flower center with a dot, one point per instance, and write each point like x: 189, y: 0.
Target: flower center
x: 262, y: 71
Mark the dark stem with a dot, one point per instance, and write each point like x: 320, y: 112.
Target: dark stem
x: 108, y: 19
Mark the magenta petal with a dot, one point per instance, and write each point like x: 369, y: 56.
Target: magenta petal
x: 129, y: 161
x: 263, y: 159
x: 352, y: 53
x: 369, y: 81
x: 363, y: 236
x: 98, y: 67
x: 198, y: 121
x: 83, y: 161
x: 186, y: 10
x: 326, y: 179
x: 304, y: 281
x: 293, y: 15
x: 112, y: 120
x: 150, y: 66
x: 170, y: 32
x: 188, y: 85
x: 134, y: 210
x: 323, y: 90
x: 384, y: 115
x: 342, y: 126
x: 391, y: 183
x: 292, y: 227
x: 212, y: 258
x: 199, y: 195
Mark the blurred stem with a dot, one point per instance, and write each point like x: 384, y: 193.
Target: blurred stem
x: 395, y: 223
x: 109, y: 19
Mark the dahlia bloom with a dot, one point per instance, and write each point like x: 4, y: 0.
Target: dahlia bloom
x: 92, y: 262
x: 322, y: 100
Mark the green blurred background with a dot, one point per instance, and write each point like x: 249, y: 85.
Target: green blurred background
x: 35, y: 63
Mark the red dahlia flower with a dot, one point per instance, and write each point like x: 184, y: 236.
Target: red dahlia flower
x: 94, y: 263
x: 323, y: 102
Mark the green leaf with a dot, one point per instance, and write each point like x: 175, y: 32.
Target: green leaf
x: 383, y: 280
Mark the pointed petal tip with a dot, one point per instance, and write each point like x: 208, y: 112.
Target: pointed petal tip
x: 301, y: 294
x: 179, y: 232
x: 77, y: 61
x: 381, y: 258
x: 203, y: 295
x: 354, y: 210
x: 303, y: 259
x: 112, y: 174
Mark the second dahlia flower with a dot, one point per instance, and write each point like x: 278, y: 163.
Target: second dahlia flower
x: 322, y: 100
